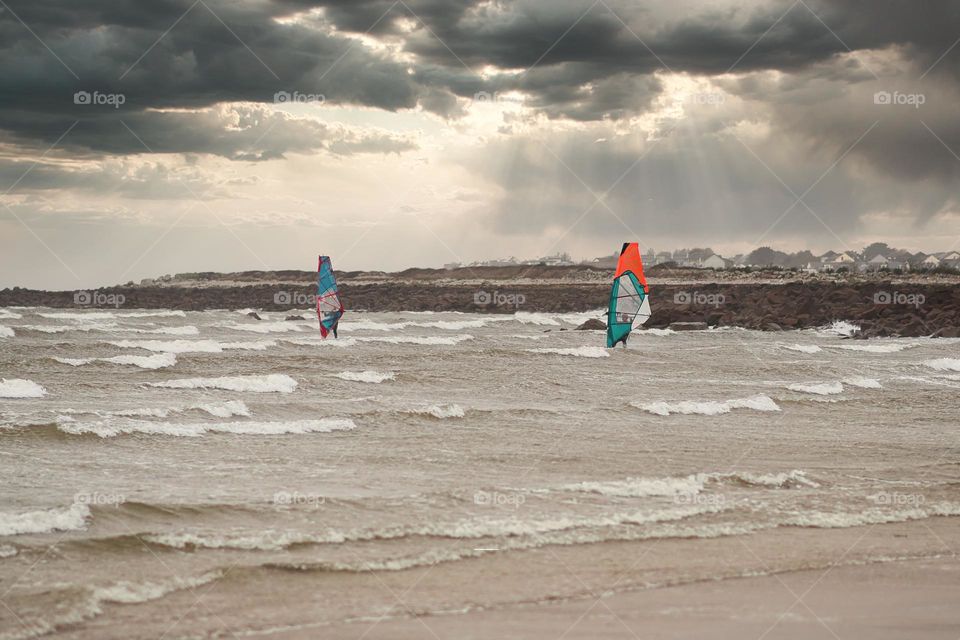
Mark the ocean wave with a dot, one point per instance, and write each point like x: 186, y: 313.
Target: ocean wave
x: 843, y: 520
x: 170, y: 346
x: 70, y: 518
x: 540, y: 319
x: 891, y: 347
x: 41, y: 328
x: 125, y: 592
x: 692, y: 484
x: 156, y: 361
x: 225, y: 409
x: 98, y: 315
x: 20, y: 388
x: 272, y: 383
x: 708, y: 407
x: 653, y: 332
x: 441, y: 411
x: 6, y: 332
x: 581, y: 352
x: 802, y: 348
x: 254, y: 345
x: 863, y: 383
x: 943, y: 364
x: 8, y: 551
x: 423, y: 340
x: 817, y: 388
x: 115, y: 427
x: 841, y: 328
x: 6, y: 314
x: 373, y: 377
x: 282, y: 326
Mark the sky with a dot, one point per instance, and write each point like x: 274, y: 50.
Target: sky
x: 147, y: 137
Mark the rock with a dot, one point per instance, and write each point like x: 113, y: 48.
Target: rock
x: 772, y: 326
x: 948, y: 332
x: 254, y: 315
x: 295, y: 318
x: 688, y: 326
x: 592, y: 325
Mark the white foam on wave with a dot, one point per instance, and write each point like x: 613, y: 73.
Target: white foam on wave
x: 114, y: 427
x: 273, y: 383
x: 156, y: 361
x: 422, y: 340
x: 373, y: 377
x: 101, y: 315
x: 109, y: 326
x: 863, y: 383
x: 20, y: 388
x: 69, y: 518
x: 6, y: 314
x: 282, y: 326
x: 641, y: 487
x: 890, y: 347
x: 843, y: 520
x: 126, y: 592
x: 653, y: 332
x: 841, y: 328
x: 441, y: 411
x: 802, y: 348
x: 692, y: 484
x: 943, y: 364
x: 224, y: 409
x: 525, y: 317
x: 580, y: 352
x: 253, y: 345
x: 170, y: 346
x: 7, y: 551
x: 817, y: 388
x: 6, y: 332
x: 708, y: 407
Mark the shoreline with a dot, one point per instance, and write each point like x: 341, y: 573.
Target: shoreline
x: 847, y: 601
x: 910, y: 305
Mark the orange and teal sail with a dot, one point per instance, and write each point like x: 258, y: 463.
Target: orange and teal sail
x: 629, y: 296
x: 329, y: 306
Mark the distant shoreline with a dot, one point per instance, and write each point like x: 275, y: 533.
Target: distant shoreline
x: 882, y: 304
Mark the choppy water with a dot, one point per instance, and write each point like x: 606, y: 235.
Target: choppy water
x: 208, y: 474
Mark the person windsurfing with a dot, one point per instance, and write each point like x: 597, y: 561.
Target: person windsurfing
x: 329, y: 306
x: 629, y: 304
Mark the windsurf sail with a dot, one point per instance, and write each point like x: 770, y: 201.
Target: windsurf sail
x: 629, y: 296
x: 329, y: 306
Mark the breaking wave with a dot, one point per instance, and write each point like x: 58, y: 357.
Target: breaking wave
x: 282, y: 326
x: 424, y: 340
x: 817, y: 388
x: 863, y: 383
x: 802, y: 348
x: 115, y: 427
x: 525, y: 317
x: 892, y: 347
x: 6, y: 332
x: 19, y: 388
x: 100, y: 315
x: 273, y: 383
x: 156, y: 361
x: 373, y: 377
x: 582, y: 352
x: 709, y: 407
x: 692, y: 484
x: 441, y: 411
x: 944, y: 364
x: 69, y: 518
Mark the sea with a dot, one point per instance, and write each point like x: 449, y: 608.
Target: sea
x: 212, y: 475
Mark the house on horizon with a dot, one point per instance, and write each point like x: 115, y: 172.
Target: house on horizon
x: 716, y: 262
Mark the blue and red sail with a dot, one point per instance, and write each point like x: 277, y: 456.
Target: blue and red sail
x: 329, y: 306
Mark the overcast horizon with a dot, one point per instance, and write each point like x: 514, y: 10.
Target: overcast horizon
x: 141, y: 139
